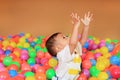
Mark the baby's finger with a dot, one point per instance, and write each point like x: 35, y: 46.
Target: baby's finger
x: 91, y: 16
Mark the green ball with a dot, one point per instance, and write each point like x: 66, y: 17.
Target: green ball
x: 29, y: 74
x: 50, y: 73
x: 94, y: 72
x: 118, y: 54
x: 115, y: 41
x: 32, y: 54
x: 7, y: 61
x: 31, y: 61
x: 16, y: 63
x: 90, y: 37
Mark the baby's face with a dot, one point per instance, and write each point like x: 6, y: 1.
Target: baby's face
x: 62, y: 40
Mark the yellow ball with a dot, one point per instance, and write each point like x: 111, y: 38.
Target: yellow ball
x: 13, y: 44
x: 22, y: 40
x: 30, y: 78
x: 27, y: 35
x: 92, y: 78
x: 104, y: 50
x: 100, y: 66
x: 5, y: 43
x: 26, y: 45
x: 17, y: 53
x: 102, y: 76
x: 52, y: 62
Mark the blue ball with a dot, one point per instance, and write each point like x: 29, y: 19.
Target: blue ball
x: 7, y: 52
x: 93, y: 61
x: 12, y: 73
x: 110, y: 47
x: 114, y: 60
x: 32, y: 44
x: 86, y: 45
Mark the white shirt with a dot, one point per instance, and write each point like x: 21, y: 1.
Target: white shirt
x: 66, y: 63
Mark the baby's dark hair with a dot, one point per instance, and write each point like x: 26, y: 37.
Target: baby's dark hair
x: 50, y: 43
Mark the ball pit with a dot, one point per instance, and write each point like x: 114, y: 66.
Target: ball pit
x: 24, y: 57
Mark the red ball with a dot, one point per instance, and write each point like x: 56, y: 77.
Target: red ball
x: 82, y: 77
x: 115, y: 71
x: 40, y: 54
x: 86, y: 64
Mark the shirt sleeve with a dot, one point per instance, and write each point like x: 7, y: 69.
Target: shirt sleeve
x: 65, y: 55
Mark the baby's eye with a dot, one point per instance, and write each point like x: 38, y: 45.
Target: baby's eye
x: 64, y: 37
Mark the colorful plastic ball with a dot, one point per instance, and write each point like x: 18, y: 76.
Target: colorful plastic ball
x: 30, y: 78
x: 32, y: 54
x: 110, y: 47
x: 47, y: 55
x: 115, y: 71
x: 100, y: 66
x: 1, y: 65
x: 86, y: 64
x: 93, y: 61
x: 114, y: 60
x: 53, y: 62
x: 86, y: 45
x: 31, y: 61
x: 92, y: 78
x: 7, y: 52
x: 12, y: 73
x: 24, y: 56
x: 2, y: 57
x: 26, y: 45
x: 40, y: 54
x: 25, y: 67
x: 40, y: 69
x: 7, y: 61
x: 27, y: 74
x: 89, y: 55
x: 40, y: 76
x: 86, y: 72
x: 16, y: 63
x: 94, y: 72
x: 4, y: 75
x: 18, y: 77
x: 1, y: 51
x: 94, y: 46
x: 43, y: 60
x: 102, y: 76
x: 32, y: 44
x: 13, y: 67
x: 50, y: 73
x: 82, y: 77
x: 104, y: 50
x: 101, y: 44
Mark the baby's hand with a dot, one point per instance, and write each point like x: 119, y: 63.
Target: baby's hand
x: 75, y: 20
x: 87, y: 19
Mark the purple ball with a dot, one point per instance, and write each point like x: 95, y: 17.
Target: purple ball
x: 1, y: 65
x: 37, y: 60
x: 24, y: 56
x: 86, y: 72
x: 1, y: 51
x: 96, y: 55
x: 94, y: 46
x: 24, y: 52
x: 101, y: 44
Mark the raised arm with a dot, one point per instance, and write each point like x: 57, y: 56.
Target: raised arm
x: 86, y: 21
x: 74, y: 35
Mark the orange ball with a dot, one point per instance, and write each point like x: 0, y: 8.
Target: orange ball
x: 40, y: 76
x: 13, y: 67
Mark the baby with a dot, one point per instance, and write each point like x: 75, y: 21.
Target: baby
x: 69, y: 49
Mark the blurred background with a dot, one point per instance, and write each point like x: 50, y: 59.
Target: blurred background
x: 45, y: 17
